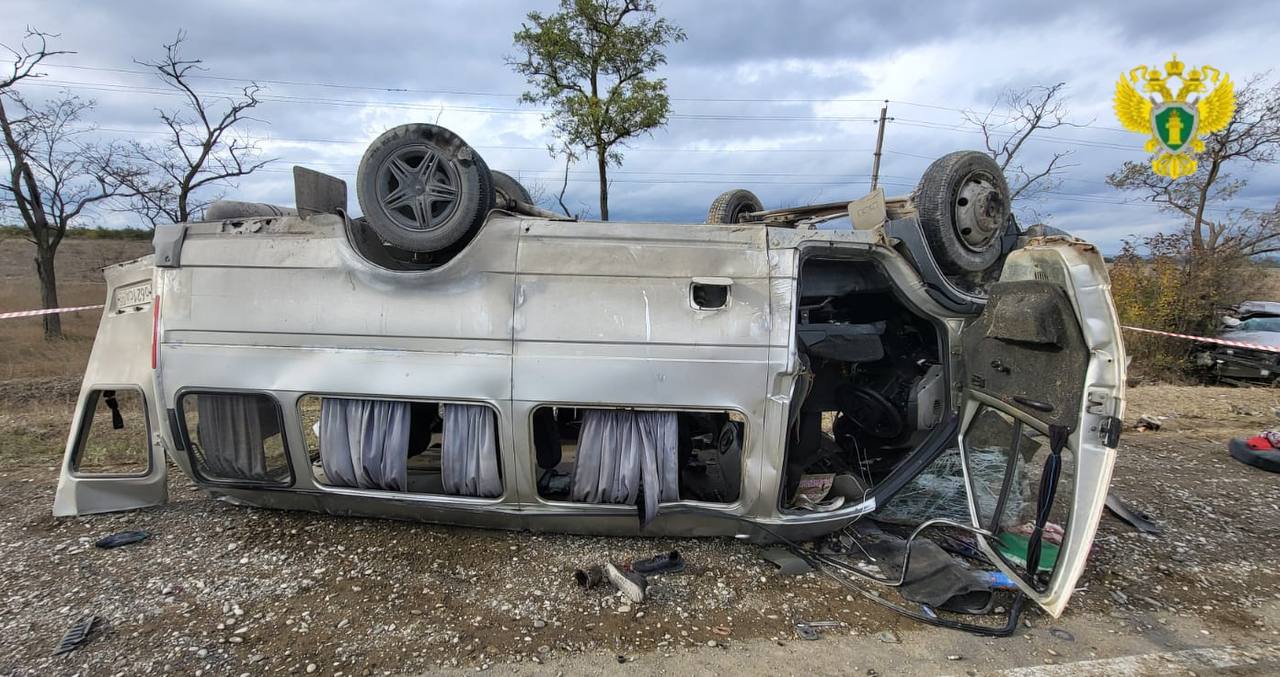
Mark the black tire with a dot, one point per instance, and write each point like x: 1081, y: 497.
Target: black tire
x: 508, y: 190
x: 963, y: 204
x: 732, y: 205
x: 1264, y: 460
x: 423, y: 213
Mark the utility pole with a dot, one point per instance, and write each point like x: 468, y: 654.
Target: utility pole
x: 875, y: 167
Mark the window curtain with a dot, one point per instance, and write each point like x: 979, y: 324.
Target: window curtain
x: 469, y: 457
x: 230, y: 431
x: 364, y: 443
x: 621, y: 451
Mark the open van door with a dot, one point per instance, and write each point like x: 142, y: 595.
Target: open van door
x: 114, y: 457
x: 1042, y: 405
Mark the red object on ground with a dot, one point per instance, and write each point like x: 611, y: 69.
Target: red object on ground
x: 1259, y: 443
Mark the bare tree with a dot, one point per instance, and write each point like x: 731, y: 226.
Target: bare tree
x: 1011, y: 121
x: 53, y: 176
x: 570, y: 155
x: 201, y: 148
x: 1204, y: 198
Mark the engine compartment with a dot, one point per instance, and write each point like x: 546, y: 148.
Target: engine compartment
x: 872, y: 385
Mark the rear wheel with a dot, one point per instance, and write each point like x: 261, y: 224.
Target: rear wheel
x: 963, y: 203
x: 733, y: 205
x: 422, y: 188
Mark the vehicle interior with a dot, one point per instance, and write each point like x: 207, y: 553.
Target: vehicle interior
x: 872, y: 385
x: 416, y: 447
x: 705, y: 449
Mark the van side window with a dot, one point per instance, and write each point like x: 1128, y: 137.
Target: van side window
x: 596, y: 455
x: 114, y: 439
x: 405, y: 446
x: 235, y: 437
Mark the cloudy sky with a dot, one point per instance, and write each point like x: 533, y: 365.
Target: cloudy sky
x: 777, y: 97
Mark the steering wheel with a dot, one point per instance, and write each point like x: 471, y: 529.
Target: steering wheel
x: 869, y: 412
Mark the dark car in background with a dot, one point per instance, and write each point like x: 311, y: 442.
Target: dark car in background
x: 1251, y: 322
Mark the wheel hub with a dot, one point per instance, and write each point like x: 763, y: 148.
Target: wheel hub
x: 418, y: 188
x: 979, y: 211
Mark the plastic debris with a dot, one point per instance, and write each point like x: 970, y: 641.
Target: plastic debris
x: 76, y: 635
x: 122, y: 538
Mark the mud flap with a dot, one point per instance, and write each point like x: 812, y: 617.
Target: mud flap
x: 1044, y: 386
x: 120, y: 361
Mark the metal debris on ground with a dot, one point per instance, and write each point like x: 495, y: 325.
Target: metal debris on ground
x: 1132, y: 516
x: 76, y: 635
x: 787, y: 562
x: 809, y: 630
x: 122, y: 538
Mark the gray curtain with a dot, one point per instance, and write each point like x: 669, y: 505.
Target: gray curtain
x: 230, y: 431
x: 364, y: 443
x: 620, y: 451
x: 469, y: 457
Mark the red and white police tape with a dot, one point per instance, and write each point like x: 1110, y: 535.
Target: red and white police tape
x: 1189, y: 337
x: 45, y: 311
x: 1205, y: 339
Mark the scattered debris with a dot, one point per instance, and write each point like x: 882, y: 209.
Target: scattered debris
x: 1062, y: 634
x: 589, y: 577
x: 787, y: 562
x: 888, y: 637
x: 1260, y: 451
x: 76, y: 635
x: 812, y: 491
x: 808, y: 630
x: 1132, y: 516
x: 665, y: 563
x: 122, y: 538
x: 1147, y: 423
x: 628, y: 583
x: 940, y: 490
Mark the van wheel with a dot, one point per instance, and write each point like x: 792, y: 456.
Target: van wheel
x: 963, y: 204
x: 422, y: 188
x: 733, y: 205
x: 508, y: 190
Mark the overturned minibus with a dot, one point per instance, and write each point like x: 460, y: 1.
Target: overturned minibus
x: 458, y: 355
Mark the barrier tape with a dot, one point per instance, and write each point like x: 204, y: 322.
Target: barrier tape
x: 46, y: 311
x: 1189, y: 337
x: 1205, y: 339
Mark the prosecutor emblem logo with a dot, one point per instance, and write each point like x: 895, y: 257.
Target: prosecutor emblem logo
x: 1203, y: 104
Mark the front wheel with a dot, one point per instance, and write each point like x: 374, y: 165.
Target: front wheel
x: 732, y: 206
x: 963, y: 204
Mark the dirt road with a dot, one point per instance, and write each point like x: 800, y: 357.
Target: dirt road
x: 220, y: 589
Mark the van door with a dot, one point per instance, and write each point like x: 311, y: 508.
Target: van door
x: 1043, y: 398
x: 97, y: 472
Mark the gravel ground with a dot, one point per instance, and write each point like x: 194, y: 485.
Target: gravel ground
x: 221, y: 589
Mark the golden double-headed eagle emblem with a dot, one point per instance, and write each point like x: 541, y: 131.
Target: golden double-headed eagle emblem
x: 1175, y: 123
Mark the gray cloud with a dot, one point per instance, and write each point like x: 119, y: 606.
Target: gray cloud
x: 949, y: 56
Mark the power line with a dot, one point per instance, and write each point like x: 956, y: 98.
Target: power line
x: 353, y: 103
x: 654, y: 149
x: 455, y: 92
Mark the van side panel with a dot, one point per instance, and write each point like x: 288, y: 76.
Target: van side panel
x: 604, y: 316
